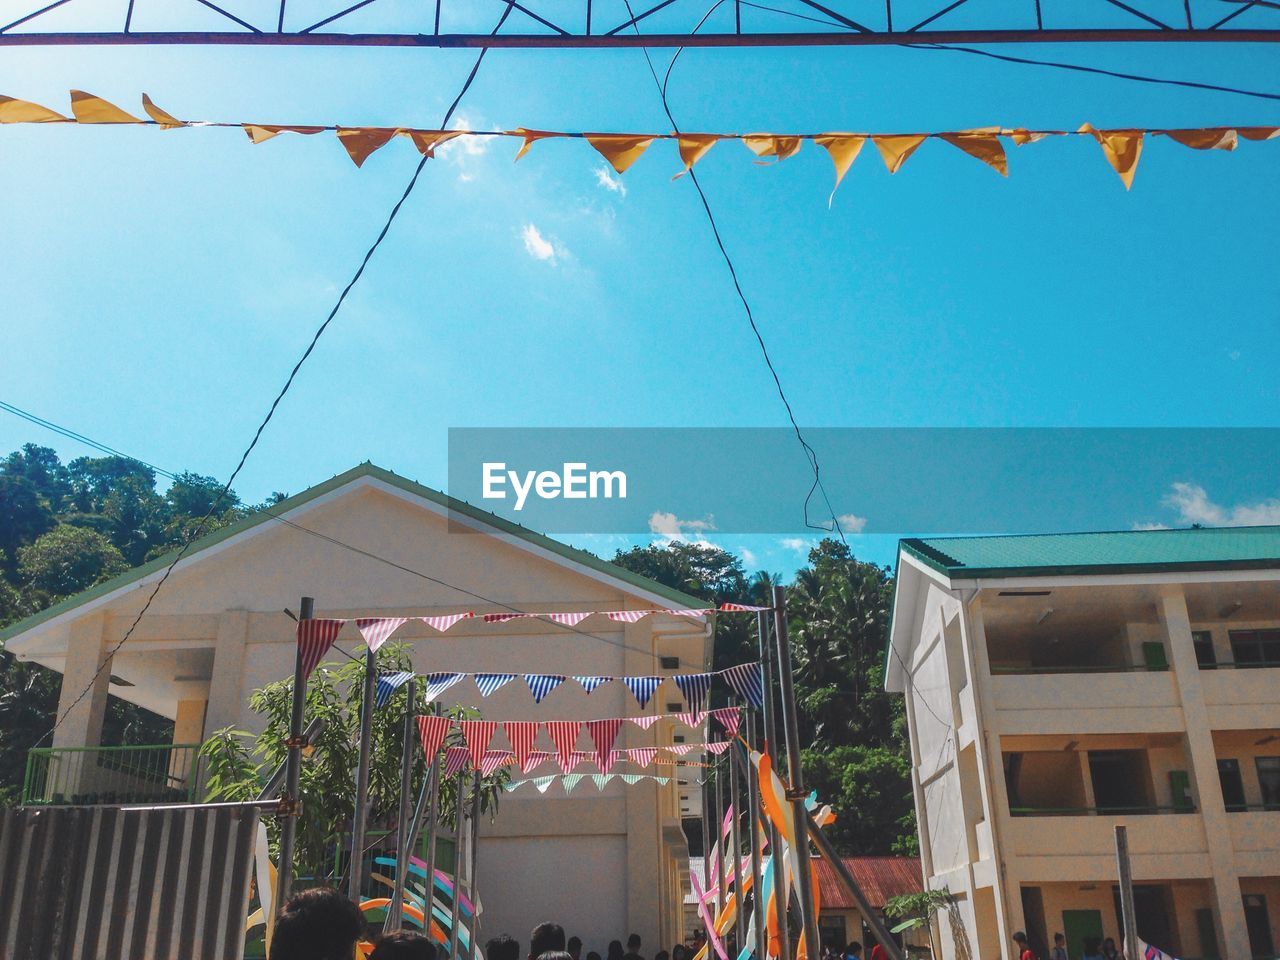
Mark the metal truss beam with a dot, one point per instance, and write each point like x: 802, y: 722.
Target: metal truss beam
x: 670, y: 23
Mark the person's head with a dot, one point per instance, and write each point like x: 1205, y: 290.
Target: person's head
x: 502, y: 948
x: 661, y: 955
x: 615, y: 949
x: 554, y: 955
x: 592, y: 955
x: 545, y: 938
x: 574, y: 947
x: 1020, y: 938
x: 404, y: 945
x: 853, y: 950
x: 317, y: 924
x: 678, y: 952
x: 1091, y: 945
x: 633, y: 943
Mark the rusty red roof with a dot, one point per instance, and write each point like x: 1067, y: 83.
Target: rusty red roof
x: 879, y: 877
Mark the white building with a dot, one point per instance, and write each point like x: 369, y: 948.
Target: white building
x: 1058, y: 685
x: 602, y: 864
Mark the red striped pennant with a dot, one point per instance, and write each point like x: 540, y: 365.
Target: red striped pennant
x: 644, y: 723
x: 692, y: 718
x: 431, y: 733
x: 455, y: 758
x: 564, y: 734
x: 503, y: 617
x: 568, y: 619
x: 603, y: 733
x: 718, y: 748
x: 535, y: 758
x: 643, y: 756
x: 315, y: 637
x: 445, y: 622
x: 478, y: 733
x: 521, y: 734
x: 680, y: 749
x: 376, y: 630
x: 628, y: 616
x: 729, y: 718
x: 742, y: 608
x: 493, y: 760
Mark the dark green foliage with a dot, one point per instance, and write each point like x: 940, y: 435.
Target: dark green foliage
x: 854, y: 733
x: 64, y: 528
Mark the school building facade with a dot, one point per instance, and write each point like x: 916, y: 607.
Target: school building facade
x: 1058, y: 685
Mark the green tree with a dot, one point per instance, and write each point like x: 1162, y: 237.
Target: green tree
x: 24, y: 515
x: 67, y: 560
x: 238, y: 763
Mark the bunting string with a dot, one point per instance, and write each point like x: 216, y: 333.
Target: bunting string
x: 1122, y: 147
x: 571, y: 780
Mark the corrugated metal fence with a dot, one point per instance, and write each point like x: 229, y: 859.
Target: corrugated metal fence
x: 105, y: 883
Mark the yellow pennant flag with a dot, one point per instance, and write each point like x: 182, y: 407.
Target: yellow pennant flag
x: 984, y: 144
x: 844, y: 149
x: 1122, y: 149
x: 1021, y: 137
x: 1259, y: 133
x: 23, y: 111
x: 619, y: 149
x: 895, y: 150
x: 428, y: 140
x: 1207, y: 138
x: 531, y: 137
x: 260, y: 132
x: 769, y: 145
x: 166, y: 120
x: 693, y: 147
x: 90, y: 109
x: 361, y: 142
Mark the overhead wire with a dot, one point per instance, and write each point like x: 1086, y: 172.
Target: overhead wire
x: 226, y: 488
x: 810, y: 454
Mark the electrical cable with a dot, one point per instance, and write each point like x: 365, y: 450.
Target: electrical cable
x: 810, y: 454
x: 226, y: 489
x: 81, y: 438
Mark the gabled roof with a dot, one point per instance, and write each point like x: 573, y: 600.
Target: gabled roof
x: 1127, y: 551
x: 498, y: 525
x: 879, y: 878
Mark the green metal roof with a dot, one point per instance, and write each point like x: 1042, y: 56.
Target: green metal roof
x: 365, y: 469
x: 1125, y: 551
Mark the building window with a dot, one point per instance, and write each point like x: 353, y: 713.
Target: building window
x: 1255, y: 648
x: 674, y: 707
x: 1232, y: 785
x: 1269, y: 781
x: 1205, y: 656
x: 669, y: 663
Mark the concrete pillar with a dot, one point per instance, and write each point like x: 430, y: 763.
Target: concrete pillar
x: 226, y: 687
x: 85, y: 678
x: 645, y: 841
x: 188, y: 727
x: 1203, y: 759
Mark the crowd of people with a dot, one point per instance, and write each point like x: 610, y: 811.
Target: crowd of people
x: 322, y: 924
x: 1094, y: 948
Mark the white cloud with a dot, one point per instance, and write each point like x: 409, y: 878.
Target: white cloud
x: 671, y: 527
x: 852, y: 523
x: 609, y: 182
x: 749, y: 558
x: 542, y: 248
x: 798, y: 544
x: 1192, y: 503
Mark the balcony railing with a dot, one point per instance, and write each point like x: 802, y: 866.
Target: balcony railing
x: 1108, y: 811
x: 161, y: 773
x: 1027, y: 670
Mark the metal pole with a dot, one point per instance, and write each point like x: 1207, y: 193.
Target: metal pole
x: 878, y: 930
x: 309, y: 737
x: 735, y: 801
x: 359, y: 821
x: 433, y: 822
x: 771, y: 743
x: 475, y: 861
x: 293, y: 767
x: 753, y: 832
x: 394, y: 912
x: 457, y: 869
x: 1127, y: 917
x: 426, y: 796
x: 795, y: 787
x: 718, y: 827
x: 708, y: 843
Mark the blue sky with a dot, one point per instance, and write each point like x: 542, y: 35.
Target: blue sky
x: 159, y: 285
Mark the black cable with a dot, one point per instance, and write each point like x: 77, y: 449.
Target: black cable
x: 1080, y: 68
x: 809, y: 452
x: 81, y: 438
x: 226, y: 488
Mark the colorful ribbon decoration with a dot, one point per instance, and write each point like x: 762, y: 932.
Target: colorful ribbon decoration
x: 571, y: 780
x: 1121, y: 147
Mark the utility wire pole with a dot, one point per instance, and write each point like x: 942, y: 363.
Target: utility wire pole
x: 769, y: 715
x: 1128, y: 919
x: 395, y: 918
x: 359, y: 821
x: 795, y: 786
x: 293, y: 767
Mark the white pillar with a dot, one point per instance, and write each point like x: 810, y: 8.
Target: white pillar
x: 188, y: 727
x: 85, y: 677
x: 1203, y: 758
x: 226, y: 686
